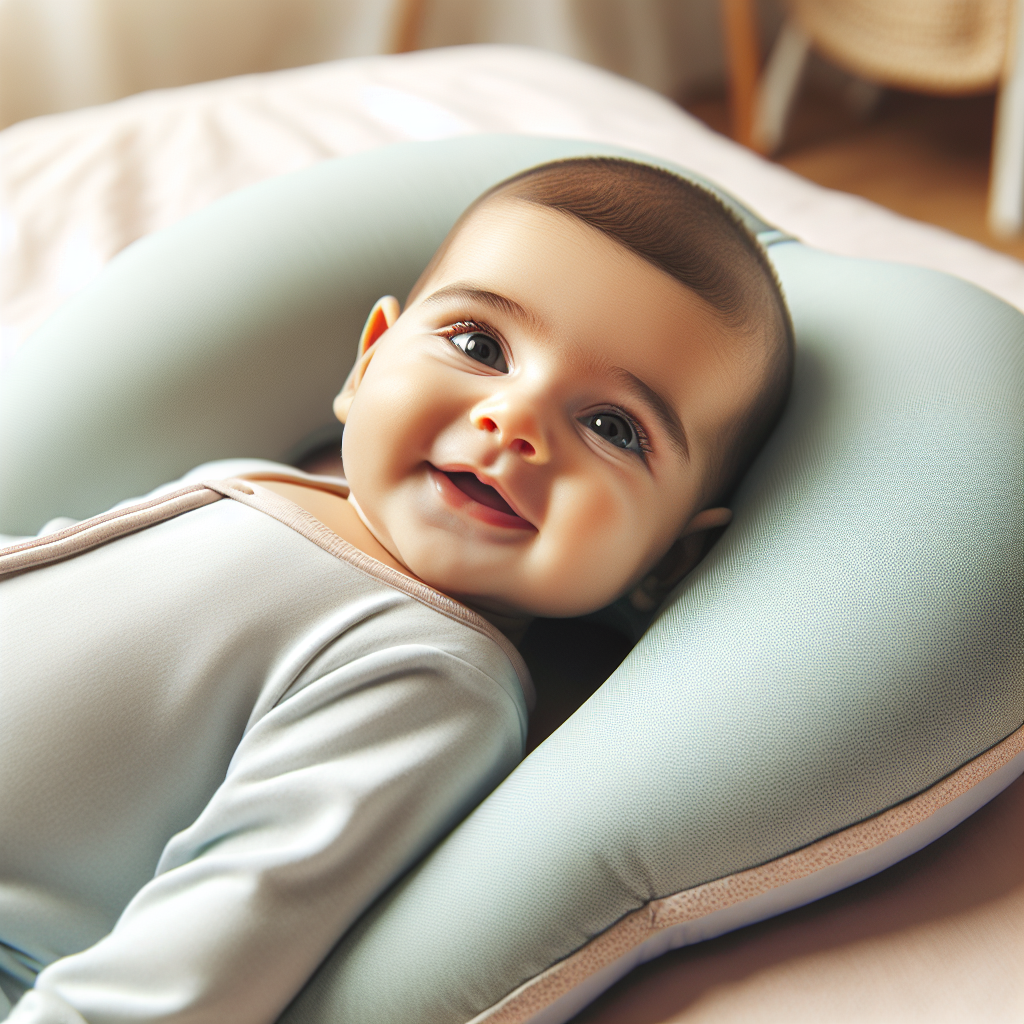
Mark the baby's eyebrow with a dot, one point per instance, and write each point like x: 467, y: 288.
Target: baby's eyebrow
x: 466, y: 292
x: 660, y: 406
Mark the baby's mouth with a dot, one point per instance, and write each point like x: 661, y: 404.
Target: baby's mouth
x: 487, y: 501
x: 469, y: 484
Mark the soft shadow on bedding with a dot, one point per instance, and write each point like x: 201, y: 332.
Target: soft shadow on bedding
x: 568, y: 659
x: 933, y: 937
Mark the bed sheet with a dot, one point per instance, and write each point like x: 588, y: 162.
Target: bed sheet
x: 76, y: 188
x: 938, y: 938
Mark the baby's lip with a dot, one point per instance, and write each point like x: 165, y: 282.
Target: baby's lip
x: 492, y: 504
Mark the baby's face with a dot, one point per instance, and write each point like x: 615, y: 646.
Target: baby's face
x: 537, y: 427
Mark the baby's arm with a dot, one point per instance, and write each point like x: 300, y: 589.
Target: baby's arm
x: 331, y: 794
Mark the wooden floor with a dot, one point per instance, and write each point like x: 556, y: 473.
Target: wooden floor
x: 926, y: 157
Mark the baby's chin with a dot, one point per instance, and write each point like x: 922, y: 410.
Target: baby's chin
x: 499, y: 586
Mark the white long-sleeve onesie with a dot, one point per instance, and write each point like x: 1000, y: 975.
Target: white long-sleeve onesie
x: 223, y: 733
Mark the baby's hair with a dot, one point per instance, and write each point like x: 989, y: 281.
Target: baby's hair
x: 689, y: 233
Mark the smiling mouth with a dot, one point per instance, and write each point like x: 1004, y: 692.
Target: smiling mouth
x: 481, y: 492
x: 485, y: 502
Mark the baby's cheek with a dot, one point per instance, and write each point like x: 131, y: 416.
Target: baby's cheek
x: 599, y: 542
x: 391, y: 426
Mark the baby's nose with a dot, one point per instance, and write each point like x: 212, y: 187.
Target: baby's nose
x: 518, y: 427
x: 522, y: 447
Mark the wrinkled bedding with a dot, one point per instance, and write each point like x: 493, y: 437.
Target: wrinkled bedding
x: 76, y: 188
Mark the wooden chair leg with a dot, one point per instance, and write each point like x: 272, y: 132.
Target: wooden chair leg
x: 409, y: 16
x: 1006, y: 188
x: 743, y: 57
x: 779, y: 86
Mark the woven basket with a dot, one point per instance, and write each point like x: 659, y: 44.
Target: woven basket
x: 942, y: 46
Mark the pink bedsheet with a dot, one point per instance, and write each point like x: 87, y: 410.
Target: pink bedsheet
x: 76, y: 188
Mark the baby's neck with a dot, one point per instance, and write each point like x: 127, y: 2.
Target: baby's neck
x: 342, y: 516
x: 513, y: 626
x: 339, y: 515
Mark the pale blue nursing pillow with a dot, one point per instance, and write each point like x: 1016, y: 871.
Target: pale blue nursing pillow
x: 838, y: 683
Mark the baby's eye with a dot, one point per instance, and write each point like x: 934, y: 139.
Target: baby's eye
x: 481, y: 347
x: 616, y: 429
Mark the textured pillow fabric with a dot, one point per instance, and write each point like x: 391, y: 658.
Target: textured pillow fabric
x: 839, y: 682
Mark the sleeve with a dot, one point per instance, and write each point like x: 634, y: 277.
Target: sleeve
x: 330, y: 796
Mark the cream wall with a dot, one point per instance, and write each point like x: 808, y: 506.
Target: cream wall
x: 61, y: 54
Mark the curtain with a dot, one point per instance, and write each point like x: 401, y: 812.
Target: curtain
x: 62, y: 54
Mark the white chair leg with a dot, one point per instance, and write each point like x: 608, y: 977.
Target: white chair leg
x: 1006, y: 189
x: 778, y: 86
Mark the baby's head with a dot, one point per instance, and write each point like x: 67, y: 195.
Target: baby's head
x: 580, y: 376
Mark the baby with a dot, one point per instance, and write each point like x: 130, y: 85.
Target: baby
x: 235, y: 712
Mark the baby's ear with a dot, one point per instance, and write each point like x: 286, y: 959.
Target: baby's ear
x: 383, y: 315
x: 693, y: 544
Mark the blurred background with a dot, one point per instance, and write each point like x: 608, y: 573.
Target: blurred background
x: 895, y: 100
